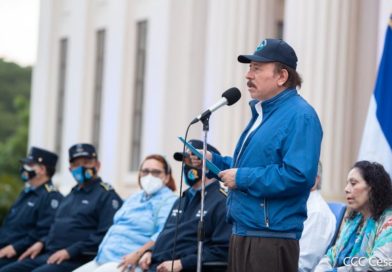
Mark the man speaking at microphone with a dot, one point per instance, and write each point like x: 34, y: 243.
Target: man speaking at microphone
x: 274, y: 164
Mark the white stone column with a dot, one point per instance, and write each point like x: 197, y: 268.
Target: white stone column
x: 73, y: 22
x: 115, y: 24
x: 59, y: 20
x: 40, y: 128
x: 326, y: 35
x: 183, y: 85
x: 234, y: 28
x: 162, y: 109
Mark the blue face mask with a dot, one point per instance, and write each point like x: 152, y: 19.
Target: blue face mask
x: 191, y: 175
x: 26, y: 173
x: 82, y: 174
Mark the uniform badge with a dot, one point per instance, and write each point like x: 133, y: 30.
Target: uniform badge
x: 198, y: 213
x: 175, y: 212
x: 79, y: 148
x: 54, y: 203
x: 85, y: 201
x: 115, y: 204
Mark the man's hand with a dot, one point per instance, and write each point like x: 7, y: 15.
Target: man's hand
x: 32, y: 251
x: 228, y: 177
x: 145, y: 260
x: 129, y: 261
x: 58, y: 257
x: 167, y: 266
x: 7, y: 252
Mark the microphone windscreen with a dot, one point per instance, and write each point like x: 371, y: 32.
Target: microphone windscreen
x: 179, y: 156
x: 232, y: 95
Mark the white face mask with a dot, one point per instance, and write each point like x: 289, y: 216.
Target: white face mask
x: 151, y: 184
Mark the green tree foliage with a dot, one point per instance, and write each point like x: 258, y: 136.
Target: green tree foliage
x: 15, y: 84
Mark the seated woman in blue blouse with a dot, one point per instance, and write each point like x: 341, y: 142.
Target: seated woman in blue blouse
x: 139, y: 221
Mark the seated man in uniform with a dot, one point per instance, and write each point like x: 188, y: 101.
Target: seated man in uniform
x: 31, y: 216
x: 217, y: 231
x: 80, y: 223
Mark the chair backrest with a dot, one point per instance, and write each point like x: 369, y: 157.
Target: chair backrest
x: 338, y: 209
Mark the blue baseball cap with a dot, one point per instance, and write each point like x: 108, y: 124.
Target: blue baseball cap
x: 272, y: 50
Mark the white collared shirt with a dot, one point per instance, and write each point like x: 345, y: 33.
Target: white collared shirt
x: 259, y: 119
x: 257, y: 123
x: 319, y: 229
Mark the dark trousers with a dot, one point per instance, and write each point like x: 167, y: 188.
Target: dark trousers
x: 263, y: 254
x: 39, y: 265
x: 6, y: 261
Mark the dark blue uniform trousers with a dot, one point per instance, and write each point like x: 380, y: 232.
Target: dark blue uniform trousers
x: 39, y: 265
x: 7, y: 261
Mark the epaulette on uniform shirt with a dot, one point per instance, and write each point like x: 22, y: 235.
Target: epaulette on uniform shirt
x: 106, y: 186
x: 50, y: 188
x: 223, y: 189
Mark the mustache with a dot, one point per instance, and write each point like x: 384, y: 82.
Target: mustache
x: 250, y: 84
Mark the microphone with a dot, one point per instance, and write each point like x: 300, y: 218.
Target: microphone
x: 179, y: 156
x: 229, y: 97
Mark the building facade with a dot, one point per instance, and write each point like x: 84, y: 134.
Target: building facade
x: 129, y: 75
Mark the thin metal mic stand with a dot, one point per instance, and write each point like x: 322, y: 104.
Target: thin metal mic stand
x: 200, y: 227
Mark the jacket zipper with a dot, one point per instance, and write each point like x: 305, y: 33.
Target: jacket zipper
x: 246, y: 140
x: 241, y: 150
x: 266, y: 218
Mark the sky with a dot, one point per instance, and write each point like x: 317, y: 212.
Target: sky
x: 19, y: 30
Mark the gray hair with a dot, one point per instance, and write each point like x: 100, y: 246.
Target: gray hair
x: 319, y: 174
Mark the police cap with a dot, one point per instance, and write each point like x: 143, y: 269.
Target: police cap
x: 42, y: 156
x: 82, y: 150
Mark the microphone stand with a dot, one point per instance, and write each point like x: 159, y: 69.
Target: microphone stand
x: 200, y: 227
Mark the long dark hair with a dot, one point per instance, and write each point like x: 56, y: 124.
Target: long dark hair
x: 379, y: 181
x: 171, y: 184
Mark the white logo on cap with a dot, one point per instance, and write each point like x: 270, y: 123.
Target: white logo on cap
x: 79, y: 148
x: 261, y: 45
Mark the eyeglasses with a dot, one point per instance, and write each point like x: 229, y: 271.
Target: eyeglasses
x: 153, y: 172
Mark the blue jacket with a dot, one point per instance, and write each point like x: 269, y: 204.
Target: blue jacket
x: 217, y: 231
x: 30, y: 217
x: 277, y: 166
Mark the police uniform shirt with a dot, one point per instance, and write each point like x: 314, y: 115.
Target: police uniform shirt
x: 30, y: 217
x: 217, y: 231
x: 83, y: 218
